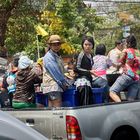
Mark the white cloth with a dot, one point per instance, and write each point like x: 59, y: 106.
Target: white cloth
x: 82, y: 82
x: 24, y: 62
x: 114, y: 56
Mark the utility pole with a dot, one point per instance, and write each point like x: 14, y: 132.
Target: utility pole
x: 38, y: 47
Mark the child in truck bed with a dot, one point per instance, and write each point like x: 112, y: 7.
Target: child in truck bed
x: 101, y: 64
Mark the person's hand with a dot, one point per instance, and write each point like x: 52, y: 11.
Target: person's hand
x: 65, y: 87
x: 93, y: 73
x: 72, y: 73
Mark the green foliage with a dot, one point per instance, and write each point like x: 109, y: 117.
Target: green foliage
x: 78, y: 19
x: 134, y: 22
x: 5, y: 3
x: 111, y: 29
x: 21, y: 32
x: 69, y: 18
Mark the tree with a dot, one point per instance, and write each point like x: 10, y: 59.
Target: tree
x: 117, y: 15
x: 133, y: 14
x: 78, y: 20
x: 6, y: 7
x: 17, y: 21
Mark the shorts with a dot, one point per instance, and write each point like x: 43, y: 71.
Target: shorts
x: 100, y: 82
x: 124, y: 81
x: 54, y: 95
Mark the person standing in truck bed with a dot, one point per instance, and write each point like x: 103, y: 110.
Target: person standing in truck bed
x: 130, y: 61
x: 25, y: 93
x: 54, y: 81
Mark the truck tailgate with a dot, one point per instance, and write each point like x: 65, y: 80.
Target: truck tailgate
x: 50, y: 123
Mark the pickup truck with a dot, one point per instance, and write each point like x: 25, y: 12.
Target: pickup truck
x: 100, y: 121
x: 105, y: 121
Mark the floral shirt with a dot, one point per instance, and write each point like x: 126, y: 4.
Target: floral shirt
x: 131, y: 62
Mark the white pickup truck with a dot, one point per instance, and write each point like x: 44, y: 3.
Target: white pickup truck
x: 101, y: 121
x: 110, y: 121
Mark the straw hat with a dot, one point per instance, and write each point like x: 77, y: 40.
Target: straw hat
x: 55, y: 39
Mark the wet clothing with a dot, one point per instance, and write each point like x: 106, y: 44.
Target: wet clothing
x: 25, y: 91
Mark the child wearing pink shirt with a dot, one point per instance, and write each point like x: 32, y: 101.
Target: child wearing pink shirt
x: 101, y: 64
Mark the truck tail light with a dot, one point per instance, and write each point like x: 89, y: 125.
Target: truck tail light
x: 73, y: 129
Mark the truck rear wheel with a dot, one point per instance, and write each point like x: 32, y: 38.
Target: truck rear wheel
x: 125, y: 133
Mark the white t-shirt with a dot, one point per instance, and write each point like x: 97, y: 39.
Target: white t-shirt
x: 114, y: 56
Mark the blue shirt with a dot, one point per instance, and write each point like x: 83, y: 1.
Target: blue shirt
x: 50, y: 61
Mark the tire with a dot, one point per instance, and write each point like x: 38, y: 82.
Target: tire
x: 125, y: 134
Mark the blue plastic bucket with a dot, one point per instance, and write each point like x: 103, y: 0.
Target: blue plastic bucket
x: 41, y: 99
x: 69, y: 98
x: 98, y: 94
